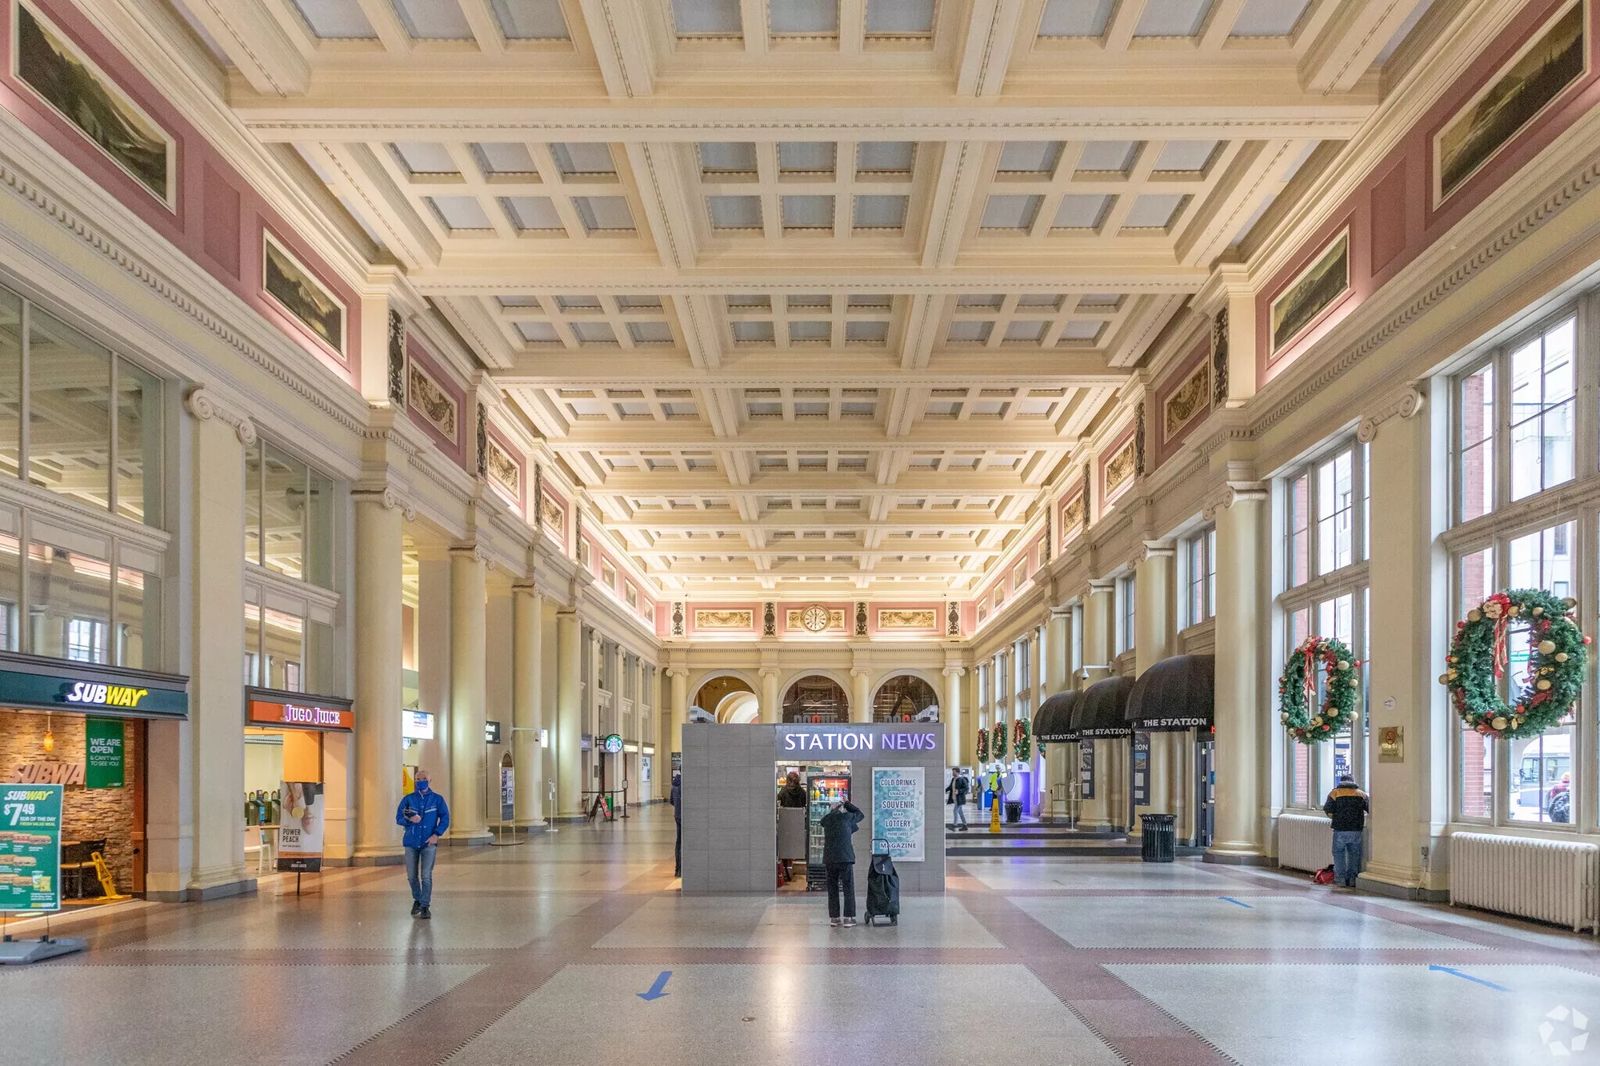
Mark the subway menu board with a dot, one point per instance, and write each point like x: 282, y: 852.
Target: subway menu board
x: 30, y: 847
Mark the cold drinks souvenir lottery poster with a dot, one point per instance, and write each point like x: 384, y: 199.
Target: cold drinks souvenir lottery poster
x: 30, y: 847
x: 898, y: 813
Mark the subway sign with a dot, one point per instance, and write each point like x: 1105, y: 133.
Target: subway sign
x: 42, y: 685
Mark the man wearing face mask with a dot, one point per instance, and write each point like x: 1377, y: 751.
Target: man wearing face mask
x: 425, y: 817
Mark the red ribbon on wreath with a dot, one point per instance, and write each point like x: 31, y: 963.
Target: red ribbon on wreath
x: 1310, y: 673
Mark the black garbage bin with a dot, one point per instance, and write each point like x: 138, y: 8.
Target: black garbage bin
x: 1160, y: 837
x: 1013, y: 810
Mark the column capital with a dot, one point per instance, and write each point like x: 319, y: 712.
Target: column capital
x: 1244, y: 492
x: 1405, y: 403
x: 860, y: 671
x: 1158, y: 549
x: 676, y: 671
x: 204, y: 404
x: 1102, y: 585
x: 473, y: 551
x: 767, y: 672
x: 955, y: 671
x: 526, y: 588
x: 387, y: 497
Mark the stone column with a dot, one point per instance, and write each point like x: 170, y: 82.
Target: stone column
x: 952, y: 713
x: 527, y: 665
x: 569, y: 715
x: 771, y: 707
x: 499, y: 667
x: 1059, y: 762
x: 860, y: 695
x: 433, y: 662
x: 468, y: 691
x: 1241, y: 720
x: 1410, y: 593
x: 376, y: 620
x: 1154, y: 640
x: 679, y: 678
x: 1099, y: 616
x: 216, y: 661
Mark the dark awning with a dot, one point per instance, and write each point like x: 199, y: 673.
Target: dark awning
x: 1101, y: 709
x: 1053, y: 723
x: 1175, y: 694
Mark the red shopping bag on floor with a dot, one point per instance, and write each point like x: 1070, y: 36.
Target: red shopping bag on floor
x: 1323, y: 876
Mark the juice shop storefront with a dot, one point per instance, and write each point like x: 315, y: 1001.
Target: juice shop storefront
x: 85, y: 728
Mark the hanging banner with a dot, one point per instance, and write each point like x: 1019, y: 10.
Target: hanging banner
x: 1141, y: 769
x: 898, y: 813
x: 1086, y: 769
x: 300, y: 828
x: 103, y: 758
x: 30, y: 847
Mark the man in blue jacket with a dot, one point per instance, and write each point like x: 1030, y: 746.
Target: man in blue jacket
x: 839, y: 858
x: 426, y: 817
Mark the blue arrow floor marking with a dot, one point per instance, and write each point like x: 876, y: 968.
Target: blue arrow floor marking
x: 658, y: 989
x: 1468, y: 977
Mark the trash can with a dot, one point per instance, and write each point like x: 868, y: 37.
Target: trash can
x: 1013, y: 810
x: 1160, y: 837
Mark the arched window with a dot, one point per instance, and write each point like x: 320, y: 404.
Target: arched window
x: 902, y: 698
x: 815, y: 698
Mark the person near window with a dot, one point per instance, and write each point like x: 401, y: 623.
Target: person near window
x: 1347, y: 805
x: 426, y: 818
x: 676, y: 798
x: 791, y: 795
x: 839, y: 859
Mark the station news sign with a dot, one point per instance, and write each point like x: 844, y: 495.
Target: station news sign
x: 857, y: 740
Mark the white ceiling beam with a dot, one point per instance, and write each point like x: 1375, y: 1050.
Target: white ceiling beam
x: 1344, y: 51
x: 266, y: 56
x: 710, y: 484
x: 986, y: 51
x: 1031, y: 369
x: 621, y: 38
x: 955, y: 520
x: 809, y: 436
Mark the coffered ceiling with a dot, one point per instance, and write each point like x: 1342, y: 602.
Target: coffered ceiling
x: 809, y: 295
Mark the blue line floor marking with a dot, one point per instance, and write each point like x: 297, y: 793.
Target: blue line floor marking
x: 1468, y: 977
x: 1236, y: 903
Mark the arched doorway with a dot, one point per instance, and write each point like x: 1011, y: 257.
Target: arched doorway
x: 739, y: 708
x: 714, y: 695
x: 815, y: 698
x: 902, y: 698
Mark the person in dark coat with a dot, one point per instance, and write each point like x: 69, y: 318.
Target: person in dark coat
x: 1347, y: 806
x: 839, y: 859
x: 793, y: 793
x: 957, y: 790
x: 677, y: 821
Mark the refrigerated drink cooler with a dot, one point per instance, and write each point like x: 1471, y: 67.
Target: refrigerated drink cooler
x: 823, y: 791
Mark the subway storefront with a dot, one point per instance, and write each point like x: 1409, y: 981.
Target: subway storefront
x: 84, y: 727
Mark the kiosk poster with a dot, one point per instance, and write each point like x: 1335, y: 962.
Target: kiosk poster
x: 30, y: 847
x: 508, y: 793
x: 1141, y: 769
x: 898, y: 813
x: 103, y: 763
x: 1086, y: 769
x: 300, y: 828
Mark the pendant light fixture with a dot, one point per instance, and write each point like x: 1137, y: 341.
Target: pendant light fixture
x: 49, y: 742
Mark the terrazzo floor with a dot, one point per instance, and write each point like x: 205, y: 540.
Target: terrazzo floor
x: 539, y: 953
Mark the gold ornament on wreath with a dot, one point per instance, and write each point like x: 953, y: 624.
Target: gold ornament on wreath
x: 1297, y: 690
x: 1480, y: 653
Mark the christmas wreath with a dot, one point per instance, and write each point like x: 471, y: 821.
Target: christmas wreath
x: 1297, y: 689
x: 983, y: 745
x: 1022, y: 739
x: 1478, y: 658
x: 997, y: 741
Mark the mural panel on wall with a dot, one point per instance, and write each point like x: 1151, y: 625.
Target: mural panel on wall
x: 904, y: 618
x: 1188, y: 402
x: 48, y: 62
x: 297, y: 291
x: 1312, y: 292
x: 504, y: 472
x: 1514, y: 97
x: 552, y: 519
x: 724, y: 619
x: 428, y: 398
x: 1120, y: 467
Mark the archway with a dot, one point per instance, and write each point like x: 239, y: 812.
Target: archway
x: 739, y: 708
x: 815, y: 698
x: 902, y: 698
x: 715, y: 691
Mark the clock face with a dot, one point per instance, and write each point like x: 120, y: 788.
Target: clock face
x: 815, y: 618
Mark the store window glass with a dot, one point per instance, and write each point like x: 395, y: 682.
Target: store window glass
x: 69, y: 596
x: 1542, y: 407
x: 1475, y: 443
x: 10, y: 591
x: 1476, y: 581
x: 319, y: 541
x: 69, y: 412
x: 138, y: 618
x: 252, y: 644
x: 1126, y: 605
x: 1335, y: 510
x: 1541, y: 767
x: 1298, y: 540
x: 283, y: 512
x: 282, y: 641
x: 10, y: 384
x: 138, y: 444
x: 1200, y: 576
